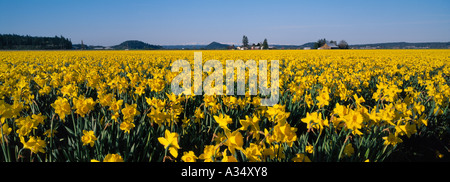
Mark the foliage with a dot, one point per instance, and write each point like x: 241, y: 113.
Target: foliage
x: 245, y: 41
x: 8, y: 41
x: 319, y: 43
x: 265, y: 45
x: 343, y: 44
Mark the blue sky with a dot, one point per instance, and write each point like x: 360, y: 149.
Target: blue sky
x: 102, y: 22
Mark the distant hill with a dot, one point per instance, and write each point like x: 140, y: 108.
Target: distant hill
x: 135, y: 44
x: 285, y: 46
x: 403, y: 45
x: 309, y: 44
x: 216, y: 45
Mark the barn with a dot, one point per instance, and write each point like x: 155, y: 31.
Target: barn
x: 329, y: 45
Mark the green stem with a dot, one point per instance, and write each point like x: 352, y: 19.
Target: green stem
x: 51, y: 140
x: 317, y: 140
x: 343, y: 146
x: 5, y: 150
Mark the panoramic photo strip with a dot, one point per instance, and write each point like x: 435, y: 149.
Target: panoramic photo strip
x: 159, y: 84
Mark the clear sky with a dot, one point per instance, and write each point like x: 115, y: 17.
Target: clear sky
x: 169, y: 22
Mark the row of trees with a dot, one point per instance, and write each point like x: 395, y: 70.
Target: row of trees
x: 19, y: 42
x: 342, y: 44
x: 264, y: 45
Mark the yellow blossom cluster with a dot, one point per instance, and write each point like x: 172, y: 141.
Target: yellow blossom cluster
x: 336, y: 105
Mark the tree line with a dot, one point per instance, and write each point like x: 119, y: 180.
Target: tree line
x: 264, y: 44
x: 19, y: 42
x: 342, y: 44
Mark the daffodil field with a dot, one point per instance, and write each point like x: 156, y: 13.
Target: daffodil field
x: 334, y: 105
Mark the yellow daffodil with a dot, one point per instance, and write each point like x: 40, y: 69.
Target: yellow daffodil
x: 130, y: 111
x: 62, y: 107
x: 392, y: 139
x: 210, y: 153
x: 170, y: 142
x: 83, y: 105
x: 88, y: 138
x: 235, y: 141
x: 223, y: 120
x: 127, y: 125
x: 227, y: 158
x: 189, y: 157
x: 113, y: 158
x: 35, y: 144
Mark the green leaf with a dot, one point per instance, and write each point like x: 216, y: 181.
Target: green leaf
x: 367, y: 153
x: 69, y: 130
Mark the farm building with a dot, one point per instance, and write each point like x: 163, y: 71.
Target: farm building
x: 329, y: 45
